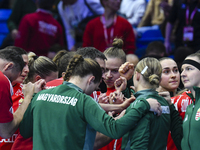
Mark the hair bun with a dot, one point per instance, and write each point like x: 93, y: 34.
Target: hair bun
x: 117, y: 42
x: 154, y: 79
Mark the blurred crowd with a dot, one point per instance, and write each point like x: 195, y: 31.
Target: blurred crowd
x: 84, y: 74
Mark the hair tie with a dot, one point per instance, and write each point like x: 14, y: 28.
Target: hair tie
x: 144, y: 70
x: 35, y: 57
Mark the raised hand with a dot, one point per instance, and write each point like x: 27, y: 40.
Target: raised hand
x: 28, y: 89
x: 126, y: 70
x: 120, y: 84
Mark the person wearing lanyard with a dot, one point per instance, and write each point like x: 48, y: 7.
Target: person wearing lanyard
x: 187, y: 13
x: 101, y: 31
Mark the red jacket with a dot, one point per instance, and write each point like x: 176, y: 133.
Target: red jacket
x: 38, y: 32
x: 94, y: 35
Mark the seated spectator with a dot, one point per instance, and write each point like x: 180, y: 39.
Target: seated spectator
x: 133, y: 10
x: 101, y: 31
x: 71, y: 17
x: 39, y: 31
x: 185, y: 16
x: 155, y: 49
x: 155, y: 15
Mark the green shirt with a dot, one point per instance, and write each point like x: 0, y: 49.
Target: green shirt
x: 151, y: 131
x: 57, y: 118
x: 191, y: 123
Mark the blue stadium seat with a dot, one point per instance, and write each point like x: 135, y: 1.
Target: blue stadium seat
x: 4, y: 14
x: 3, y: 28
x: 2, y: 37
x: 146, y: 38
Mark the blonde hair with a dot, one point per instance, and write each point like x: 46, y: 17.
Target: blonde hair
x: 41, y: 65
x: 116, y: 51
x: 153, y: 72
x: 197, y: 54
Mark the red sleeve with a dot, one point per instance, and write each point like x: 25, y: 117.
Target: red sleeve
x: 5, y: 100
x: 129, y: 39
x: 17, y: 96
x: 88, y: 35
x: 24, y: 31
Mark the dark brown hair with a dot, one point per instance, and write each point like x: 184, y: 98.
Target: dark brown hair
x: 79, y: 66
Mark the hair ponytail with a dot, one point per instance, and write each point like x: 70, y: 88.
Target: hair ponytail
x: 151, y: 70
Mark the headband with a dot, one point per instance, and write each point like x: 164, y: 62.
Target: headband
x: 192, y: 62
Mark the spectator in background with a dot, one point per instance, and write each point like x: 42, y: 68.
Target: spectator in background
x: 155, y: 49
x: 155, y: 15
x: 19, y: 9
x: 39, y: 31
x: 188, y: 27
x: 72, y: 12
x: 101, y: 31
x: 133, y: 10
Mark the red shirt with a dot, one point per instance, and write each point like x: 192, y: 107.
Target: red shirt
x: 180, y: 102
x: 17, y: 96
x: 6, y: 110
x: 39, y: 31
x: 54, y: 83
x: 94, y: 35
x: 116, y: 143
x: 6, y: 144
x: 22, y: 143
